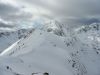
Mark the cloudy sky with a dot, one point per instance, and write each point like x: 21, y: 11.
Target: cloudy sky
x: 13, y: 12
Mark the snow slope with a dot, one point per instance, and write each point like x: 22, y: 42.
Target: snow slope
x: 7, y: 38
x: 38, y: 49
x: 76, y: 52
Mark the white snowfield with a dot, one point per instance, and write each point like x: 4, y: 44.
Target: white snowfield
x: 57, y: 52
x: 8, y: 50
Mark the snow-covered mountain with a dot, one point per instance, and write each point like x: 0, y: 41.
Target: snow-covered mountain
x: 55, y: 49
x: 7, y: 38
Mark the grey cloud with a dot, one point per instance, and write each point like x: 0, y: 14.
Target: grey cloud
x: 6, y: 25
x: 84, y: 11
x: 68, y: 11
x: 18, y: 17
x: 7, y: 9
x: 89, y: 21
x: 70, y: 7
x: 9, y: 12
x: 79, y: 21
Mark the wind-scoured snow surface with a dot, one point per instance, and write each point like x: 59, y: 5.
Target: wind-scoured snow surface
x: 55, y: 49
